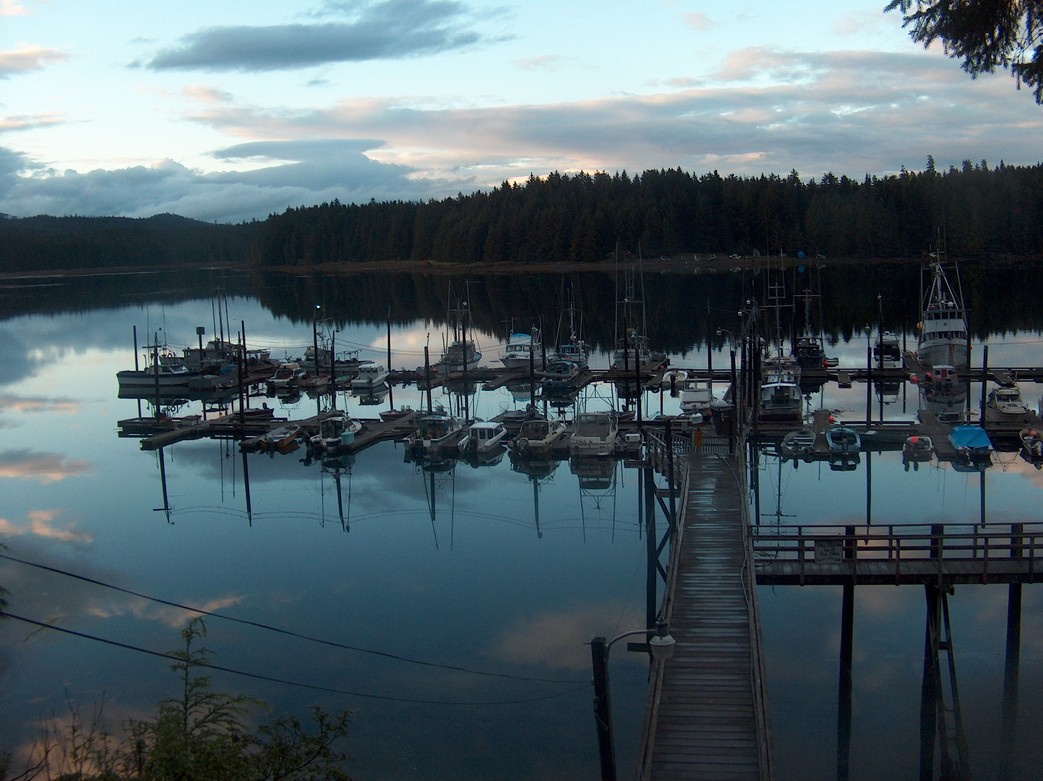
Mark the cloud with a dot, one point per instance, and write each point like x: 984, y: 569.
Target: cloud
x: 23, y: 404
x: 45, y: 467
x: 145, y: 610
x: 391, y: 29
x: 25, y: 59
x: 698, y: 21
x: 764, y: 111
x: 12, y: 8
x: 41, y: 524
x: 557, y: 639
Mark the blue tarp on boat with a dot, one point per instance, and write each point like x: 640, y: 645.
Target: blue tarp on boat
x: 970, y: 439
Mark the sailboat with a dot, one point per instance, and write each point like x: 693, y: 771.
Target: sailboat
x: 943, y: 323
x: 632, y: 349
x: 573, y: 349
x: 808, y: 350
x: 460, y: 351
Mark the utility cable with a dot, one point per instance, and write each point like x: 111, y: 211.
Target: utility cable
x: 287, y: 632
x: 270, y: 679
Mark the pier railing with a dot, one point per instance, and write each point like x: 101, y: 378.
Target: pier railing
x: 902, y: 549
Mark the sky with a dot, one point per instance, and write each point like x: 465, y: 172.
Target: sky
x: 232, y: 110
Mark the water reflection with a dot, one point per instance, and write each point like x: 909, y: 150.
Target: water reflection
x: 509, y: 566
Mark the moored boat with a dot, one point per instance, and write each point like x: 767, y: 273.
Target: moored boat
x: 971, y: 443
x: 799, y: 443
x: 336, y: 432
x: 781, y: 398
x: 843, y: 440
x: 1004, y: 405
x: 558, y: 377
x: 434, y: 433
x: 370, y: 376
x: 887, y: 352
x: 1032, y: 445
x: 917, y: 449
x: 287, y: 376
x: 281, y: 438
x: 697, y: 396
x: 483, y: 436
x: 594, y: 434
x: 536, y: 436
x: 165, y: 371
x: 943, y: 324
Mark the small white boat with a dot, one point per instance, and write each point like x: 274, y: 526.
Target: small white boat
x: 166, y: 370
x: 286, y: 377
x: 887, y: 352
x: 336, y: 432
x: 1032, y: 445
x: 370, y: 377
x: 281, y: 438
x: 917, y: 449
x: 1004, y: 404
x: 524, y: 350
x: 434, y: 433
x: 697, y: 396
x: 483, y: 436
x: 536, y: 436
x: 594, y: 434
x: 799, y: 444
x: 781, y: 398
x: 558, y: 377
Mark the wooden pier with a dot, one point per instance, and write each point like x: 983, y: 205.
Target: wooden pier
x: 707, y: 716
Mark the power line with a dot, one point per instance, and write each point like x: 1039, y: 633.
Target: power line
x: 287, y: 632
x: 270, y: 679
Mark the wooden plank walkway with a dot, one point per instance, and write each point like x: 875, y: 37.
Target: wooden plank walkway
x: 707, y: 715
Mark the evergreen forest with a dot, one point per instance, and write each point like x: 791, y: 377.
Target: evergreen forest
x: 975, y: 211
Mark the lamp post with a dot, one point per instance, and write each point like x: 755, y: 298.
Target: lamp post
x: 661, y: 646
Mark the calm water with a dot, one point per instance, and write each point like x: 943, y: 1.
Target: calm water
x: 485, y: 569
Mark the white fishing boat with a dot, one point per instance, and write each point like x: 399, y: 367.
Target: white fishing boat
x: 558, y: 377
x: 573, y: 348
x: 1005, y: 405
x: 336, y: 432
x: 781, y: 398
x: 943, y: 323
x: 594, y: 434
x: 436, y: 432
x: 525, y: 350
x: 287, y: 376
x: 808, y: 349
x: 483, y: 436
x: 887, y: 352
x: 370, y: 377
x: 460, y: 350
x: 697, y: 396
x: 165, y: 371
x: 536, y: 436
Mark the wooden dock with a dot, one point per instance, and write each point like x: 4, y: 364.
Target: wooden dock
x: 707, y: 716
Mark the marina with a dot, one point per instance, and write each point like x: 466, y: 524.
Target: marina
x: 365, y: 474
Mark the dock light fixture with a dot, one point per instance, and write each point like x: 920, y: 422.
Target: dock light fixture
x: 660, y: 645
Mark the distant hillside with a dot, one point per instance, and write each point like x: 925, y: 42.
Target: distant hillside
x: 54, y: 243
